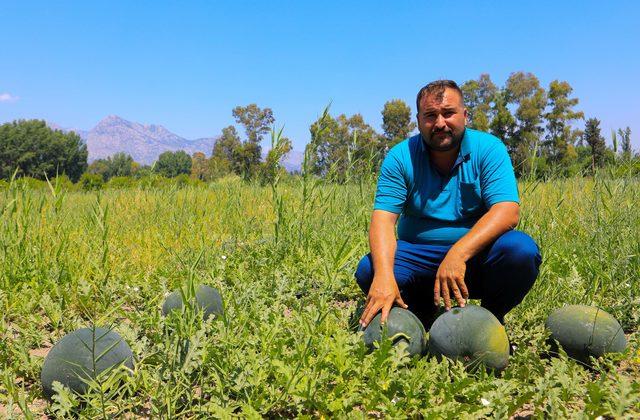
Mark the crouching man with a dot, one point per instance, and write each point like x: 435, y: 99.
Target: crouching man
x: 453, y: 193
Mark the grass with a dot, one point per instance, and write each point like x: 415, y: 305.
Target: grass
x: 283, y: 258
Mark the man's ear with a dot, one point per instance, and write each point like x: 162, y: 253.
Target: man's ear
x: 466, y: 116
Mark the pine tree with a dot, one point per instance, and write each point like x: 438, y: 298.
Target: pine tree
x: 594, y: 139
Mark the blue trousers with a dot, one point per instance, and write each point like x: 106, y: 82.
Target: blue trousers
x: 500, y: 275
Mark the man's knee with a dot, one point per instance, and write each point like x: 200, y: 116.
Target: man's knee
x: 364, y: 273
x: 517, y: 249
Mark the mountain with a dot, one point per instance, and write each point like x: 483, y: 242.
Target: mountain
x: 145, y: 143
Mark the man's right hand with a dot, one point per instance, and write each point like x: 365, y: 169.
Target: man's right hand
x: 382, y: 295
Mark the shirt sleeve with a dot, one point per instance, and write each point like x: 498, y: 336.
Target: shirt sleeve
x: 498, y: 181
x: 391, y: 193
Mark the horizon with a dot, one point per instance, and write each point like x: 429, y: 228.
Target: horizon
x: 88, y: 61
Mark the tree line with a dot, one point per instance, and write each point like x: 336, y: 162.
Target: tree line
x: 537, y: 125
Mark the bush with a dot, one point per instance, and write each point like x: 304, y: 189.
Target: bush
x: 30, y: 183
x: 121, y: 182
x: 91, y: 182
x: 184, y: 180
x: 152, y: 181
x: 62, y: 182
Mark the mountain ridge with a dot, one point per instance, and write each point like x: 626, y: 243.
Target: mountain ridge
x: 145, y: 142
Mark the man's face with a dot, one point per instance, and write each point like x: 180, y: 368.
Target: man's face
x: 441, y: 120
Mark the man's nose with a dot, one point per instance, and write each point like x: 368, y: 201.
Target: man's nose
x: 440, y: 122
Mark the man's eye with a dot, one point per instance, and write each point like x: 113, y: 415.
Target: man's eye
x: 448, y: 114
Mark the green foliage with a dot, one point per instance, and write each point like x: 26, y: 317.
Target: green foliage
x: 200, y: 167
x: 625, y: 142
x: 523, y: 90
x: 595, y: 141
x: 271, y: 170
x: 172, y: 164
x: 479, y: 95
x: 397, y: 122
x: 257, y: 122
x: 284, y: 347
x: 89, y: 181
x: 345, y: 148
x: 37, y: 151
x: 120, y: 182
x: 120, y: 165
x: 560, y: 136
x: 225, y: 158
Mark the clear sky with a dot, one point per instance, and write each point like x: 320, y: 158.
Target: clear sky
x: 186, y: 64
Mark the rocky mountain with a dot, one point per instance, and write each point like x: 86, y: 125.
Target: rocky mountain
x: 145, y: 143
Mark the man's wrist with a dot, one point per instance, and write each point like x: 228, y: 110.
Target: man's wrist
x: 459, y: 252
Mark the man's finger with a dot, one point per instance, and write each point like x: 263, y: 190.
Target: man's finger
x: 446, y: 295
x: 436, y: 292
x: 373, y: 311
x: 463, y: 288
x: 385, y: 313
x: 365, y: 311
x: 400, y: 302
x: 456, y: 293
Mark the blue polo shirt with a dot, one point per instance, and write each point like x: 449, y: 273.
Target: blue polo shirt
x: 437, y: 209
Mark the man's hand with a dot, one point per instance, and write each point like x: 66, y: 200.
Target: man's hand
x: 450, y: 280
x: 382, y: 295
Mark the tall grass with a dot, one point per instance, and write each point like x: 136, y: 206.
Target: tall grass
x: 283, y: 257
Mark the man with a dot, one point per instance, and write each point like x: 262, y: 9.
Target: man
x: 453, y: 192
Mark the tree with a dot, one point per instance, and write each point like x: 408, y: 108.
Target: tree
x: 101, y: 167
x: 503, y: 124
x: 396, y: 122
x: 524, y: 91
x: 256, y: 122
x: 479, y: 96
x: 120, y: 164
x: 200, y: 166
x: 225, y: 157
x: 35, y: 150
x: 594, y: 140
x: 559, y: 133
x: 346, y: 147
x: 171, y: 164
x: 625, y: 142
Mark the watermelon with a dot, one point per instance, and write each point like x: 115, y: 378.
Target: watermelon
x: 82, y: 355
x: 401, y: 326
x: 207, y: 299
x: 472, y: 335
x: 585, y: 331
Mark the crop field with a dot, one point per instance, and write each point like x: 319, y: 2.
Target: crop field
x: 283, y: 258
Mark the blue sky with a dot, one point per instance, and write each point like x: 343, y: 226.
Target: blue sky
x: 185, y: 65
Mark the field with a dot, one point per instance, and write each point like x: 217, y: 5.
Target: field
x: 283, y: 258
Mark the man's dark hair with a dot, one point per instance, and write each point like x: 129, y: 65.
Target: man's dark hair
x: 437, y: 88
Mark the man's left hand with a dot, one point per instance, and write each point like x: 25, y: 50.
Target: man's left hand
x: 450, y: 280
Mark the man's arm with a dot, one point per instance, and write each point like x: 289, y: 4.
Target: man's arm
x: 500, y: 218
x: 384, y: 289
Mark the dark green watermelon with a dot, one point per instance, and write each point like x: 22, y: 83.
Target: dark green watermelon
x: 206, y: 298
x: 82, y: 355
x: 585, y: 331
x: 401, y: 326
x: 472, y: 335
